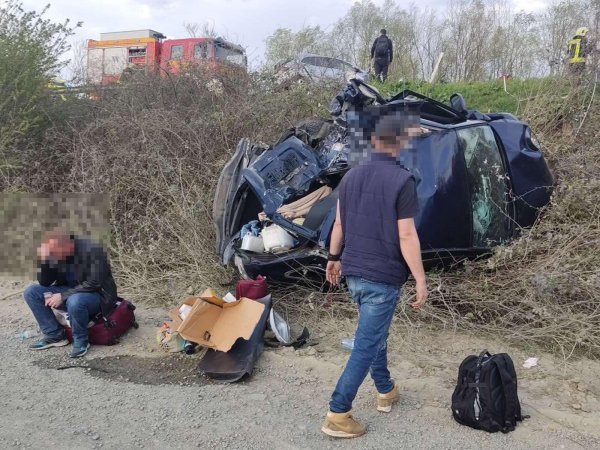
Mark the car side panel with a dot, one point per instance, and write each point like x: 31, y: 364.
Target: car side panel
x: 444, y: 220
x: 531, y: 178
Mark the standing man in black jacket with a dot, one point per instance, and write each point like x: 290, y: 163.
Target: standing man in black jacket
x: 74, y: 275
x: 382, y: 54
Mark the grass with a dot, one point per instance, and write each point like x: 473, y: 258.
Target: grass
x: 485, y: 96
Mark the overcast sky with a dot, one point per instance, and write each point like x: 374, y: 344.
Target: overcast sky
x: 246, y: 22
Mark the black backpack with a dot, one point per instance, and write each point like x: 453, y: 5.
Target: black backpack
x: 382, y: 47
x: 485, y: 397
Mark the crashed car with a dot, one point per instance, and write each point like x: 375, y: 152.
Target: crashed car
x: 316, y: 68
x: 480, y: 179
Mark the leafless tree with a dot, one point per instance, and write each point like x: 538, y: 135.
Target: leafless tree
x: 205, y: 29
x: 76, y: 70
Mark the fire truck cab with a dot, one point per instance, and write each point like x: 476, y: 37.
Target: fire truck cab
x: 117, y: 52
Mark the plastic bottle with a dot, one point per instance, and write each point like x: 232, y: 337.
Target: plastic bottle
x: 348, y: 343
x: 27, y: 334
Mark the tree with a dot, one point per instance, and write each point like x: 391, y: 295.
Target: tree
x: 285, y: 44
x: 30, y: 51
x: 195, y: 30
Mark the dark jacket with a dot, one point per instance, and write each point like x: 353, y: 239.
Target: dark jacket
x: 90, y: 269
x: 390, y: 47
x: 373, y: 197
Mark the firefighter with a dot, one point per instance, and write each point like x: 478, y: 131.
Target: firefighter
x: 578, y: 51
x: 57, y: 87
x: 382, y: 54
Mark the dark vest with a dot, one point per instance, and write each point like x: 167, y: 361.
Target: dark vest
x: 369, y: 196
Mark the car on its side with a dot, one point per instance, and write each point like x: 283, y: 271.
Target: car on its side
x: 481, y: 178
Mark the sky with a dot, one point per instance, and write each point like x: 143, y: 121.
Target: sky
x: 245, y: 22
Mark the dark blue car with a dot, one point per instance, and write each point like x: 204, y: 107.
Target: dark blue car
x: 480, y: 179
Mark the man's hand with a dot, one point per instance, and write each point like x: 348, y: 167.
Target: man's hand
x: 55, y: 301
x: 43, y: 252
x: 334, y: 272
x: 421, y: 295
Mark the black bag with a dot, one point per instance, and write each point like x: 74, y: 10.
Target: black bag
x: 382, y: 47
x: 485, y: 397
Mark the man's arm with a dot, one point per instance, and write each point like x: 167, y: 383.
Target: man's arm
x: 410, y: 247
x: 337, y: 234
x: 409, y: 239
x: 373, y: 48
x: 98, y: 273
x: 46, y: 275
x: 391, y: 50
x: 334, y: 268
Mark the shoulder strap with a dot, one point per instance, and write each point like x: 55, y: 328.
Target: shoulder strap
x: 482, y: 355
x: 509, y: 386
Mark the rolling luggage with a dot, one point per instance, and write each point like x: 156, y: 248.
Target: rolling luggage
x: 107, y: 331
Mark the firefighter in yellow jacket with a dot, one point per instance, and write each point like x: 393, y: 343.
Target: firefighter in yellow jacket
x: 578, y: 51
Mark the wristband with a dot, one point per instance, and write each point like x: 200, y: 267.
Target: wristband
x: 333, y: 258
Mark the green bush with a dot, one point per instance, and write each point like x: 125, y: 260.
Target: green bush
x: 30, y: 51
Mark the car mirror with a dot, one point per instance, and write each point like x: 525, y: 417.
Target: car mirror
x: 458, y: 103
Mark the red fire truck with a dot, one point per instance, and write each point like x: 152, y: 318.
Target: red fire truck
x: 149, y: 50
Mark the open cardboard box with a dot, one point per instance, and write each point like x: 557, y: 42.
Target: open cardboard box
x: 216, y: 324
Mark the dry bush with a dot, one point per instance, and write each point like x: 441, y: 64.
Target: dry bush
x: 155, y: 147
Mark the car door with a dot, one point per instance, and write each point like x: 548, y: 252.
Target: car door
x: 488, y: 186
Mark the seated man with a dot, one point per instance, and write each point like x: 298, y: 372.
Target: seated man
x: 74, y: 275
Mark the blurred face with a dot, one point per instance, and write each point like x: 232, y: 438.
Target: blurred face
x: 59, y: 250
x: 395, y: 145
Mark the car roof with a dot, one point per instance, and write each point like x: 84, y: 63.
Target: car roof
x: 314, y: 55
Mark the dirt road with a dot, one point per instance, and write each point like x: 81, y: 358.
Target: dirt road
x: 135, y: 396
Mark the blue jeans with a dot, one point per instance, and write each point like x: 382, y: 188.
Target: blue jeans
x: 376, y: 303
x: 81, y: 308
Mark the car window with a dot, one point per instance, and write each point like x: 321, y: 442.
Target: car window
x: 224, y: 52
x: 488, y: 185
x: 340, y: 65
x: 312, y: 60
x: 201, y: 50
x: 177, y: 52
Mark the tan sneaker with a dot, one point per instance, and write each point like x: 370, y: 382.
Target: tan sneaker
x: 385, y: 401
x: 342, y: 425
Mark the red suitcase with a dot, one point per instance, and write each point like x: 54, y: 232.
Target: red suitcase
x: 108, y: 332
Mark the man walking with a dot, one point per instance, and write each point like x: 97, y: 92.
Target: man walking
x: 382, y: 54
x: 375, y: 226
x: 74, y: 275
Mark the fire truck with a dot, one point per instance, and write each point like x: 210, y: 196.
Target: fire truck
x: 149, y: 50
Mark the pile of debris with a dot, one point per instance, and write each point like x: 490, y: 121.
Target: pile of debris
x: 232, y: 329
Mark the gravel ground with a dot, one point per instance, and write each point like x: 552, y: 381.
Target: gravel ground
x: 134, y: 396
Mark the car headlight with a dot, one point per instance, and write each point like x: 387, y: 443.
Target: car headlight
x: 532, y: 139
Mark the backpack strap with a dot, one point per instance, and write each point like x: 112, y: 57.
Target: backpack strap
x: 482, y: 355
x: 509, y: 387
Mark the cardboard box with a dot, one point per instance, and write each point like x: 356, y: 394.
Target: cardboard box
x: 216, y: 324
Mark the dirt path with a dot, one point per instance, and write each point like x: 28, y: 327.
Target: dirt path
x: 133, y: 395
